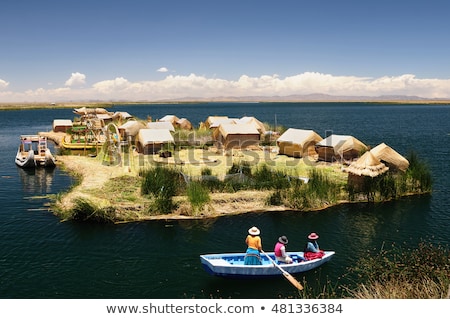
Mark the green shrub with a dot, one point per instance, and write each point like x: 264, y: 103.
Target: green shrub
x: 198, y: 196
x: 162, y: 183
x: 419, y: 174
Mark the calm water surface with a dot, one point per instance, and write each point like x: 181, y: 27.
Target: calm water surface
x: 42, y: 257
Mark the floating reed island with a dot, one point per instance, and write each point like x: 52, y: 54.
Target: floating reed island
x: 131, y: 169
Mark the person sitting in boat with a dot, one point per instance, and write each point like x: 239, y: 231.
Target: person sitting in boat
x: 280, y: 250
x: 312, y: 249
x: 254, y: 247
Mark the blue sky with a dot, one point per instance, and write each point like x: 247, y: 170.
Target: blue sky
x: 151, y: 50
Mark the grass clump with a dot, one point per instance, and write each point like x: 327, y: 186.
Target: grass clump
x: 86, y: 211
x: 198, y: 196
x: 162, y: 183
x: 423, y: 272
x: 319, y: 191
x: 418, y: 174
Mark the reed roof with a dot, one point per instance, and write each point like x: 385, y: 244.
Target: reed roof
x: 342, y: 143
x: 366, y: 165
x: 299, y: 136
x: 161, y: 125
x: 154, y: 136
x: 386, y: 154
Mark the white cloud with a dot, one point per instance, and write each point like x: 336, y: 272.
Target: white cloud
x: 192, y: 85
x: 76, y: 79
x: 163, y: 70
x: 3, y: 84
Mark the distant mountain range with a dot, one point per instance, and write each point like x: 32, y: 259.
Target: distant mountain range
x: 309, y: 98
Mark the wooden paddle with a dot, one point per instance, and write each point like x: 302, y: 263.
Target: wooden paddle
x: 288, y: 276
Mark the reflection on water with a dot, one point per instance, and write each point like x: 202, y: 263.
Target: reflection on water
x: 37, y: 180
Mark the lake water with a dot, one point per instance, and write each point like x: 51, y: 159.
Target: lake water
x: 42, y: 257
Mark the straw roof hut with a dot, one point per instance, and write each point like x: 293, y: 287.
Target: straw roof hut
x: 151, y: 141
x: 366, y: 165
x: 184, y: 124
x: 219, y: 121
x: 390, y: 157
x: 161, y: 125
x: 61, y: 125
x: 212, y: 119
x: 169, y: 118
x: 339, y: 147
x: 363, y: 170
x: 236, y: 136
x: 121, y: 116
x: 298, y: 143
x: 130, y: 129
x: 254, y: 121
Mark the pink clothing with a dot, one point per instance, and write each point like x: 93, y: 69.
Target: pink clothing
x: 280, y: 250
x: 280, y: 253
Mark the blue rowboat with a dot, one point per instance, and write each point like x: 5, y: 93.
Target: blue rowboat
x: 232, y: 265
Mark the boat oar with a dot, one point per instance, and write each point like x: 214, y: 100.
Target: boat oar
x: 288, y: 276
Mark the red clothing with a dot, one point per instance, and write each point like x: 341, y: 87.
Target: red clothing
x: 309, y: 255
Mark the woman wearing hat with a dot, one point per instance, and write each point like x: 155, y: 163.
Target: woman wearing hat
x: 254, y: 246
x: 280, y: 250
x: 312, y: 250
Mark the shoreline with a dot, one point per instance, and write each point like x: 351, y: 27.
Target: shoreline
x: 93, y: 178
x: 5, y: 106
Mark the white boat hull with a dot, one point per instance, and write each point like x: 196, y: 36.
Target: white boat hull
x: 232, y: 265
x: 33, y: 152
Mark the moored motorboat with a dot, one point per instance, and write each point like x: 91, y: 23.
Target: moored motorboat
x: 33, y: 151
x: 232, y: 265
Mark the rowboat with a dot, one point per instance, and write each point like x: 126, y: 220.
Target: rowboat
x: 232, y: 265
x: 34, y: 152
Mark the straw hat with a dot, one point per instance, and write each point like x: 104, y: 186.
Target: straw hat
x: 283, y: 240
x: 313, y: 236
x: 254, y: 231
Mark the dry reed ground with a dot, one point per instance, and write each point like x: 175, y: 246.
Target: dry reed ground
x: 95, y: 175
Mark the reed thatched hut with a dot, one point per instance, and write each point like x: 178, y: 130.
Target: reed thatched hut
x: 254, y: 121
x: 214, y: 122
x: 367, y: 166
x: 298, y: 143
x: 161, y: 126
x: 169, y: 118
x: 390, y: 157
x: 240, y: 136
x: 184, y: 124
x: 151, y: 141
x: 62, y: 125
x: 339, y: 148
x: 129, y: 130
